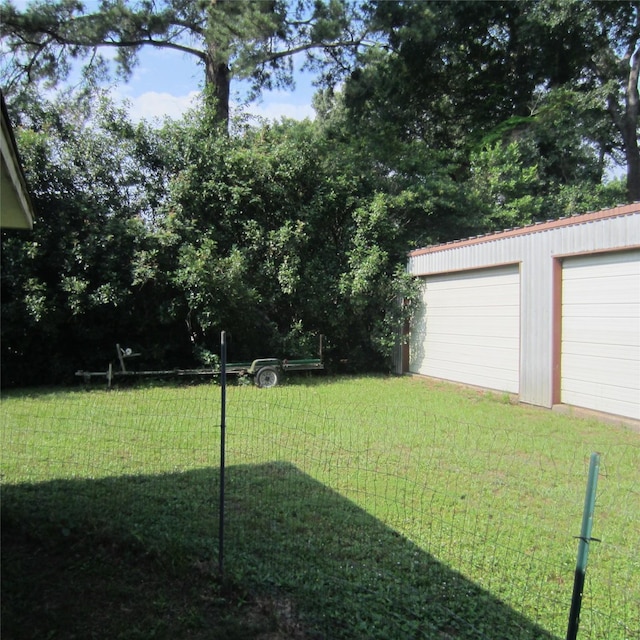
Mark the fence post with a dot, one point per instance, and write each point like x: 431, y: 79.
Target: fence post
x: 583, y: 546
x: 223, y: 426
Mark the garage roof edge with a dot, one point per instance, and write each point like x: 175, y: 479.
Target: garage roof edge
x: 622, y: 210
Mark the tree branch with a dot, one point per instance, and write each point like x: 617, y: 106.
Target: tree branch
x: 328, y: 46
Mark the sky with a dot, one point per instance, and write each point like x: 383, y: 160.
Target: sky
x: 166, y: 82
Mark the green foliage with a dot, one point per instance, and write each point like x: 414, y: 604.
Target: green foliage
x: 71, y: 287
x: 505, y: 184
x: 460, y: 75
x: 208, y: 358
x: 528, y: 167
x: 275, y: 235
x: 455, y: 119
x: 276, y: 244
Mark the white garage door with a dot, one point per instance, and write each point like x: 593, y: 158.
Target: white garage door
x: 467, y: 328
x: 601, y: 333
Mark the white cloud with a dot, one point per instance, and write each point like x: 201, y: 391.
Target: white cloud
x: 277, y: 110
x: 154, y: 105
x: 280, y: 103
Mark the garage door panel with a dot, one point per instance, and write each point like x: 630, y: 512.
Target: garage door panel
x: 467, y: 299
x: 463, y: 296
x: 614, y: 290
x: 600, y: 359
x: 468, y: 328
x: 472, y: 326
x: 480, y: 376
x: 471, y: 355
x: 466, y: 341
x: 608, y: 370
x: 472, y: 310
x: 610, y: 399
x: 605, y: 351
x: 602, y: 310
x: 598, y: 388
x: 604, y: 264
x: 600, y: 330
x: 472, y: 366
x: 480, y: 279
x: 607, y: 404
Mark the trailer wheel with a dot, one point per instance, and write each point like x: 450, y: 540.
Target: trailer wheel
x: 267, y: 377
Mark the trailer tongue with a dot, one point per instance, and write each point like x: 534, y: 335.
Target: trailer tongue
x: 265, y: 372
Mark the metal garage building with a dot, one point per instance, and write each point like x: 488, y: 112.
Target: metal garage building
x: 550, y: 312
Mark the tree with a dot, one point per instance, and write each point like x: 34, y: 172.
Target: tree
x: 70, y: 288
x: 284, y: 234
x: 510, y: 186
x: 456, y: 75
x: 160, y: 238
x: 594, y: 53
x: 255, y: 40
x: 615, y: 65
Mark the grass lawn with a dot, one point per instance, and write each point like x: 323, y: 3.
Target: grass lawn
x: 365, y: 507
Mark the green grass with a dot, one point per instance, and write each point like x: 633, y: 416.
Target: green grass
x: 366, y: 507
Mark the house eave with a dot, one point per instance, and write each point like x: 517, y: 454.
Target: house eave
x: 16, y: 209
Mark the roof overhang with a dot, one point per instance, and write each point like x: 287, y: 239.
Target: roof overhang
x: 16, y: 210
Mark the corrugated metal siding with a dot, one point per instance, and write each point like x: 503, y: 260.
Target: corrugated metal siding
x: 535, y: 251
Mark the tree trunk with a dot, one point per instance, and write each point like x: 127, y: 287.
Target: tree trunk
x: 217, y: 89
x: 629, y: 130
x: 633, y: 173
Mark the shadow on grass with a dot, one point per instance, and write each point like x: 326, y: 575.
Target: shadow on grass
x: 136, y: 557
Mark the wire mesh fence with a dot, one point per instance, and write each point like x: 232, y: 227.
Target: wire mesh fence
x: 360, y: 507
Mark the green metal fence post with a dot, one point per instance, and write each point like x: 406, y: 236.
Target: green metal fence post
x: 583, y: 547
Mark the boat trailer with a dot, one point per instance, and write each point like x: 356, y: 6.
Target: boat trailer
x: 265, y: 372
